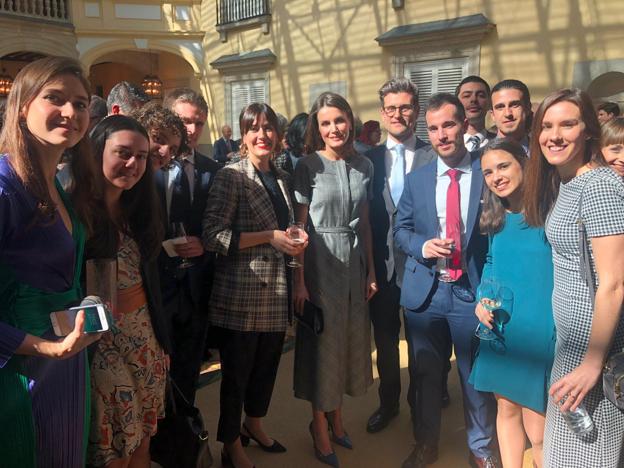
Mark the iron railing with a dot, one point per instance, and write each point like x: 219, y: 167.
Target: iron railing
x: 51, y: 10
x: 232, y: 11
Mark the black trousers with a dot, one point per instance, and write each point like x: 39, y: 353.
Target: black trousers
x: 385, y: 316
x: 249, y: 362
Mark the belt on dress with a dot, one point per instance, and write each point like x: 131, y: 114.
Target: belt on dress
x: 130, y: 299
x: 333, y: 229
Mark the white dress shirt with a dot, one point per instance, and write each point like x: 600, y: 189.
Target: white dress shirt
x: 170, y: 175
x: 483, y: 140
x: 395, y: 256
x: 442, y: 184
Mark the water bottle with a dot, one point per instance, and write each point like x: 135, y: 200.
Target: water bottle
x: 579, y: 421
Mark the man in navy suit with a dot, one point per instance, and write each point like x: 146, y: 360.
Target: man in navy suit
x: 400, y: 154
x: 225, y: 147
x: 437, y: 227
x: 183, y: 189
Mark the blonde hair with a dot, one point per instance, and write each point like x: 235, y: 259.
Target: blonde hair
x: 612, y: 132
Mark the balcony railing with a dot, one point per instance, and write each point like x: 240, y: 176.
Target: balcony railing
x: 234, y: 11
x: 50, y: 10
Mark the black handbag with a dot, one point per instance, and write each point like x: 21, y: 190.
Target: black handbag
x: 613, y: 371
x: 311, y: 318
x: 184, y: 441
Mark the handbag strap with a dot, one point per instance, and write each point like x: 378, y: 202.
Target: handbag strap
x: 172, y: 391
x: 585, y: 267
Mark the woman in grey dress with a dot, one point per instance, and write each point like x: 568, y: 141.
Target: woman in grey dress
x: 567, y: 175
x: 332, y: 189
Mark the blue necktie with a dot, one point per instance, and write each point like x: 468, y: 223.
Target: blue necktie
x: 397, y: 173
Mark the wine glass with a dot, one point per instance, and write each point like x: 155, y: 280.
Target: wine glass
x: 443, y: 265
x: 295, y: 233
x: 487, y: 296
x: 180, y: 238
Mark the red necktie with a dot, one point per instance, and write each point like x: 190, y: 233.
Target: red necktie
x: 453, y: 222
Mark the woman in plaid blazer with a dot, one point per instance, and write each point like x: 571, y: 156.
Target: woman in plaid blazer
x: 245, y: 222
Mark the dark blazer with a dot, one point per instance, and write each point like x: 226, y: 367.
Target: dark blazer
x: 249, y: 291
x: 417, y: 222
x: 220, y: 150
x: 198, y: 276
x: 151, y: 286
x: 382, y: 201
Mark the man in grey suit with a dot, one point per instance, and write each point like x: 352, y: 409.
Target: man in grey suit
x: 401, y: 153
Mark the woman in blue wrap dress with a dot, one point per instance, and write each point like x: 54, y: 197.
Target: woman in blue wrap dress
x: 43, y: 379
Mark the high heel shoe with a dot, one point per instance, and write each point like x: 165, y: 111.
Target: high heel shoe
x: 226, y: 460
x: 344, y: 441
x: 330, y: 459
x: 276, y: 447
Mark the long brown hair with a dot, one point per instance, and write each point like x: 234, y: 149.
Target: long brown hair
x: 141, y: 216
x: 542, y: 179
x: 492, y: 218
x: 17, y: 142
x: 313, y: 140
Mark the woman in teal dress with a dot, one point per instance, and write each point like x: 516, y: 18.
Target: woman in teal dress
x: 44, y: 409
x: 515, y: 367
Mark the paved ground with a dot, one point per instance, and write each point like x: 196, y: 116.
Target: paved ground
x: 288, y: 421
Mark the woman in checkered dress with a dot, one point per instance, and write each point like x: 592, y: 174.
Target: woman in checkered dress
x: 567, y: 170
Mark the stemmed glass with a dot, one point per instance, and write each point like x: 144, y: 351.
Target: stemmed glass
x: 498, y: 300
x: 443, y: 265
x: 295, y: 233
x: 180, y: 236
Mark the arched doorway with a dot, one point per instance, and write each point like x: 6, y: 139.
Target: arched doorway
x: 133, y: 66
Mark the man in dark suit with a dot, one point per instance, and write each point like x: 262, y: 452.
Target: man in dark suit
x: 400, y: 154
x: 225, y: 147
x: 474, y: 94
x: 437, y: 227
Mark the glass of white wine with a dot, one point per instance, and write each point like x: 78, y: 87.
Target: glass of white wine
x: 295, y: 232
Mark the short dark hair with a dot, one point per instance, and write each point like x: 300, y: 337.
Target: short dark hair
x: 610, y: 108
x: 140, y: 209
x: 438, y: 100
x: 473, y: 79
x: 186, y: 95
x: 251, y: 113
x: 295, y: 137
x: 514, y: 84
x: 313, y: 140
x: 155, y: 116
x: 127, y: 96
x: 399, y: 85
x: 97, y: 107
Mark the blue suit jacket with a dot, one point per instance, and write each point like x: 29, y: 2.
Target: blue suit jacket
x: 220, y: 151
x: 417, y: 222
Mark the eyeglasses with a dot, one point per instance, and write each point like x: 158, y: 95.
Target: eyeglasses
x: 405, y: 109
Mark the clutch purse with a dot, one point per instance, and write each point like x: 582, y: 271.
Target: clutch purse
x: 613, y: 380
x: 613, y: 371
x: 311, y: 318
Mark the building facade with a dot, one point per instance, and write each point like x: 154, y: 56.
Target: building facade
x: 286, y: 52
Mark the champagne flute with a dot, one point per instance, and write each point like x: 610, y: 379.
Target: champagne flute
x: 180, y: 232
x: 487, y: 295
x: 443, y: 264
x: 295, y: 233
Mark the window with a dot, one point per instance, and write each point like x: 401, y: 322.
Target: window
x: 435, y: 76
x: 243, y: 93
x: 338, y: 87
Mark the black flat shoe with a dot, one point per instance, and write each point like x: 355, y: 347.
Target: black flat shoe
x: 276, y: 447
x: 380, y: 419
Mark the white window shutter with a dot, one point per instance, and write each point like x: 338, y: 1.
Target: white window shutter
x: 436, y: 76
x: 244, y: 93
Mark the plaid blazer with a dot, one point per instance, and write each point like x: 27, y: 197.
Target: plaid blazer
x: 249, y: 291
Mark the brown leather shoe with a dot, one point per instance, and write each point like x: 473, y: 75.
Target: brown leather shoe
x: 421, y: 456
x: 487, y: 462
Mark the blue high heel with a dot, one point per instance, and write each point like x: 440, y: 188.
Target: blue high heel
x: 344, y: 441
x: 330, y: 459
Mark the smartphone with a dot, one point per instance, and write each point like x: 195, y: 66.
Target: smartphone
x: 96, y: 319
